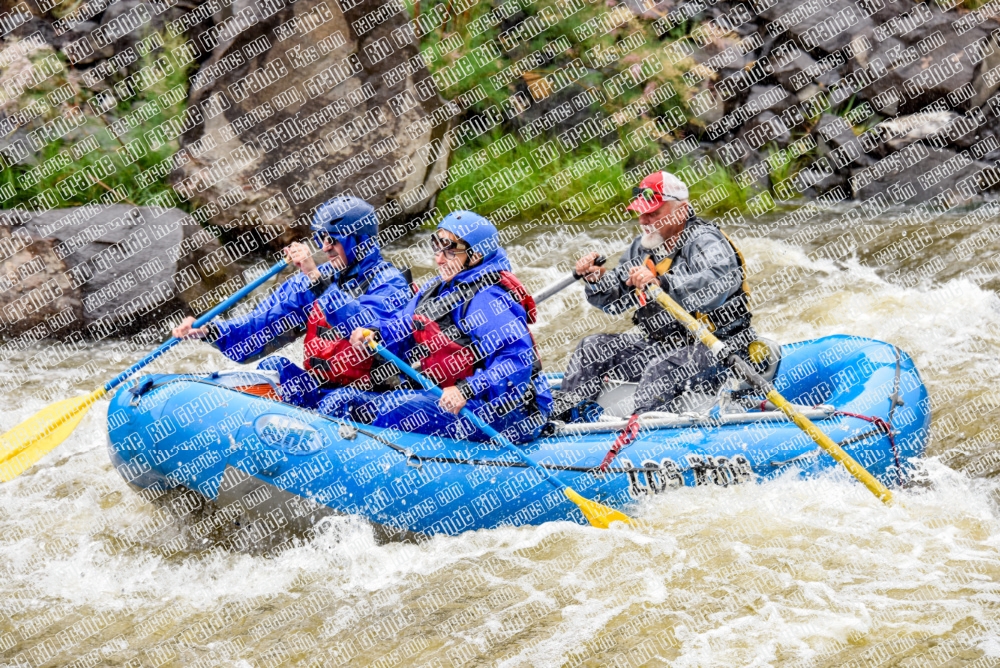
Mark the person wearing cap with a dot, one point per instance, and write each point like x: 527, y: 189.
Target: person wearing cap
x: 356, y: 286
x: 466, y: 330
x: 697, y: 265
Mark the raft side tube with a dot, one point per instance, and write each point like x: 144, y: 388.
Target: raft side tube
x: 186, y: 432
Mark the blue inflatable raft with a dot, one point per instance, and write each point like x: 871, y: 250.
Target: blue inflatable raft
x: 284, y: 467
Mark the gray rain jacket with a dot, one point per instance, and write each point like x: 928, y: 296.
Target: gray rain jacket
x: 706, y: 277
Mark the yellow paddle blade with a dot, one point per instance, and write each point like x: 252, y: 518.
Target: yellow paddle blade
x: 598, y: 514
x: 32, y: 439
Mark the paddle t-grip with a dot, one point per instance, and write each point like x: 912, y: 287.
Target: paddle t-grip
x: 565, y: 283
x: 598, y: 262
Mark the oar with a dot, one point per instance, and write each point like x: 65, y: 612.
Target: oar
x: 566, y: 282
x: 32, y: 439
x: 597, y: 514
x: 746, y: 372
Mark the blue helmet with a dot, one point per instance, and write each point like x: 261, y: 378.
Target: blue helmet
x: 473, y: 229
x: 348, y: 220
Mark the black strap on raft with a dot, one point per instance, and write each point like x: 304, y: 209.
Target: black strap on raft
x: 420, y: 459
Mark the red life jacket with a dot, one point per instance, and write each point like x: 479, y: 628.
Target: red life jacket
x: 331, y: 357
x: 445, y: 353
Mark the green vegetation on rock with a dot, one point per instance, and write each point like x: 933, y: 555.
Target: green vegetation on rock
x: 70, y: 154
x: 622, y: 73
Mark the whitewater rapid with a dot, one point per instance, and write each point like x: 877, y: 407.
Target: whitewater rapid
x: 790, y: 573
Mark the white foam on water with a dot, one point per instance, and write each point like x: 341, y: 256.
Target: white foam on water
x: 791, y: 572
x: 950, y: 329
x: 853, y: 561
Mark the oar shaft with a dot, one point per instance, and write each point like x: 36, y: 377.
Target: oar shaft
x: 428, y: 385
x: 555, y: 288
x: 565, y: 283
x: 834, y: 450
x: 693, y: 325
x: 200, y: 322
x: 31, y: 440
x: 743, y: 369
x: 747, y: 373
x: 472, y: 417
x: 240, y: 294
x: 597, y: 514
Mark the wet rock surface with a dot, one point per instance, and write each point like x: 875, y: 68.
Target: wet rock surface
x: 38, y: 292
x: 941, y: 170
x: 322, y: 112
x: 917, y: 72
x: 115, y: 265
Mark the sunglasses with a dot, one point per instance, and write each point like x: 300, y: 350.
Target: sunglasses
x: 323, y: 238
x: 650, y: 195
x: 447, y: 246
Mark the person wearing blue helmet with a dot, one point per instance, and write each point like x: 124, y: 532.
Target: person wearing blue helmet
x: 323, y: 302
x: 467, y: 330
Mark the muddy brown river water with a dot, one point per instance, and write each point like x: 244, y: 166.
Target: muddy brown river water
x: 789, y: 573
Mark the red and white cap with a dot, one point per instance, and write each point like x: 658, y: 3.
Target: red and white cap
x: 655, y: 189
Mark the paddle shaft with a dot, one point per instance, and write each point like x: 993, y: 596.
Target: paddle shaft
x: 565, y: 283
x: 465, y: 412
x: 747, y: 373
x: 596, y: 513
x: 200, y: 322
x: 30, y: 440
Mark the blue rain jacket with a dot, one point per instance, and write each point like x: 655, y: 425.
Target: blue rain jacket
x: 498, y: 328
x: 281, y: 317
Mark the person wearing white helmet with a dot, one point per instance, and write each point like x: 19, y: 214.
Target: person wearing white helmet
x: 697, y: 265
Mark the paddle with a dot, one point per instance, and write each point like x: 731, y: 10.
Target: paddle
x: 566, y: 282
x: 597, y: 514
x: 32, y: 439
x: 746, y: 372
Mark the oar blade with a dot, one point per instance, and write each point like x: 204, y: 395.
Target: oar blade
x: 598, y: 514
x: 32, y: 439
